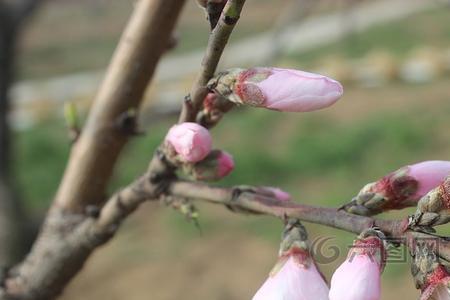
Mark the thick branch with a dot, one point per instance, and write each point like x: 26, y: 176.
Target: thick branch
x: 216, y: 44
x: 71, y: 230
x: 95, y: 153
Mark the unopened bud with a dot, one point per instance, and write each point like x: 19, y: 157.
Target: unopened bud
x: 215, y: 166
x: 359, y: 277
x: 278, y: 89
x: 274, y: 192
x: 190, y: 141
x: 295, y: 276
x: 399, y: 189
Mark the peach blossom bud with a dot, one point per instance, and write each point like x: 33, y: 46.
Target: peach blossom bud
x: 215, y: 166
x: 359, y: 277
x: 280, y: 89
x: 275, y: 192
x: 400, y: 189
x: 190, y: 141
x: 295, y: 276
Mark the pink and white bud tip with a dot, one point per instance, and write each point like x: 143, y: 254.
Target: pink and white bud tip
x: 284, y: 90
x: 399, y: 189
x: 359, y: 277
x: 190, y: 141
x: 274, y: 192
x: 295, y: 276
x: 215, y: 166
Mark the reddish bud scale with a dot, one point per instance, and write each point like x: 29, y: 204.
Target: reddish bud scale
x: 190, y: 141
x: 438, y: 277
x: 444, y: 191
x: 370, y: 246
x: 393, y: 188
x: 245, y: 90
x: 300, y: 255
x: 370, y: 243
x: 209, y: 101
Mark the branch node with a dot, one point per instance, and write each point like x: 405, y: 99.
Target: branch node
x: 92, y: 211
x: 230, y: 20
x: 126, y: 122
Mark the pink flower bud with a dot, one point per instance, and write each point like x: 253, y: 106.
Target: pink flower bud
x: 215, y: 166
x: 225, y: 164
x: 286, y: 90
x: 358, y: 278
x: 413, y: 181
x: 276, y: 192
x: 295, y: 276
x: 429, y: 174
x: 294, y: 281
x: 401, y: 188
x: 190, y: 141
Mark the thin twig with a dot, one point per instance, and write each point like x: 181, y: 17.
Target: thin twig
x: 238, y: 199
x: 252, y: 202
x: 216, y: 44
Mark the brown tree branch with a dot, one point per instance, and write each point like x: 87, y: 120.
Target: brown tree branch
x: 216, y: 45
x: 244, y: 199
x: 68, y: 235
x: 241, y: 199
x: 70, y: 232
x: 94, y: 155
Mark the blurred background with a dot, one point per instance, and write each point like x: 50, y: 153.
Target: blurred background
x: 393, y: 57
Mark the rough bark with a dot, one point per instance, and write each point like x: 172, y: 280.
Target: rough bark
x: 71, y: 230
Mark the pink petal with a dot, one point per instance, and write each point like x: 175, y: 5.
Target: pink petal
x: 279, y: 193
x: 429, y: 175
x: 190, y: 140
x: 294, y: 282
x: 358, y: 278
x: 225, y: 164
x: 298, y: 91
